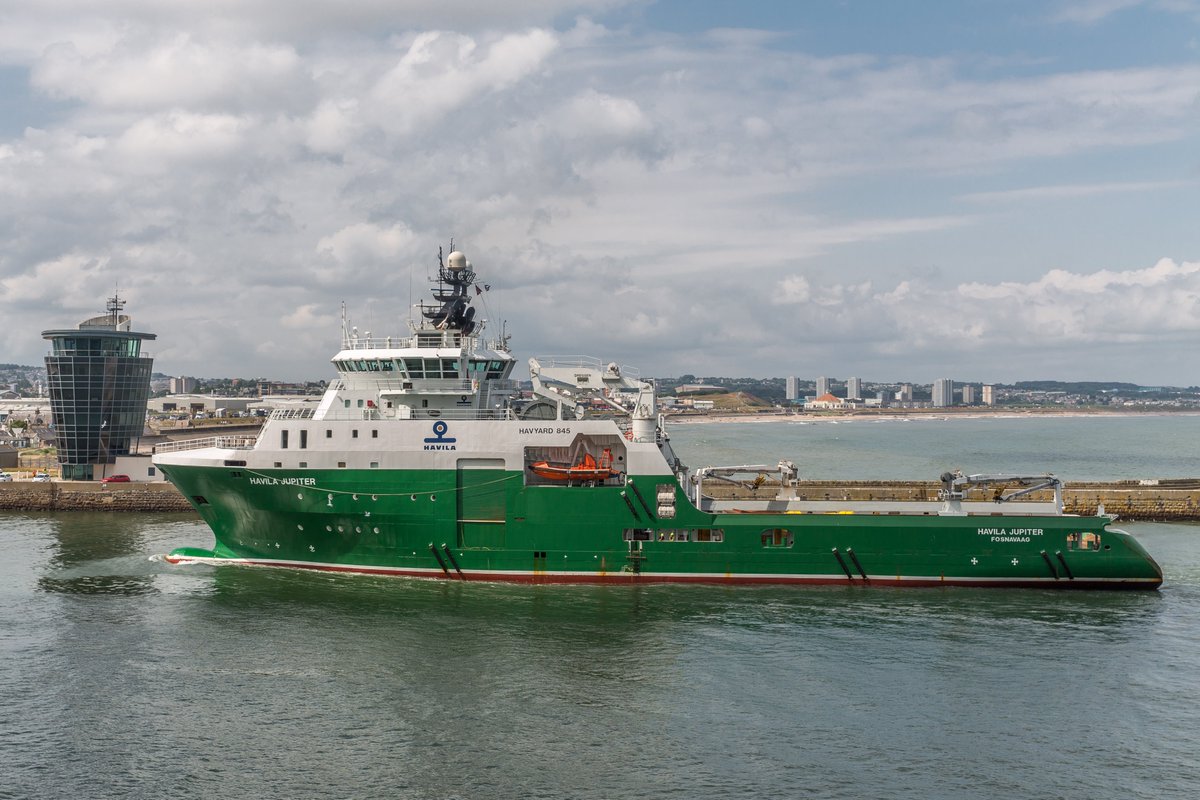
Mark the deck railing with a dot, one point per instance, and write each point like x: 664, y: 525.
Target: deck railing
x: 219, y: 442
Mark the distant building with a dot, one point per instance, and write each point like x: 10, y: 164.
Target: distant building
x: 198, y: 403
x: 854, y: 388
x: 793, y: 388
x: 989, y: 395
x: 968, y: 395
x: 182, y: 385
x: 883, y: 397
x: 823, y: 385
x: 697, y: 388
x: 99, y: 382
x: 943, y: 393
x: 905, y: 394
x: 826, y: 402
x: 276, y: 387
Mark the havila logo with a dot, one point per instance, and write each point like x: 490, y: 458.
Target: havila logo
x: 439, y: 440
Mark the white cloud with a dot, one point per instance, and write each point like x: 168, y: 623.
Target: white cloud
x: 716, y: 198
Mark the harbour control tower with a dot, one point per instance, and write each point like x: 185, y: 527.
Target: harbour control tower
x: 99, y: 382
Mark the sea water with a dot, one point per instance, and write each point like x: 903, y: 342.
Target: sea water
x: 122, y: 676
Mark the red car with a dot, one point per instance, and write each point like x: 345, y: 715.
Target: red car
x: 116, y: 479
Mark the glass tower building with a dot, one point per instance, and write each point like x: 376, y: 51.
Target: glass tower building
x: 99, y: 382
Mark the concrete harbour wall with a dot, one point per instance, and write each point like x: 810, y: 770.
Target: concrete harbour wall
x: 89, y: 496
x: 1168, y: 501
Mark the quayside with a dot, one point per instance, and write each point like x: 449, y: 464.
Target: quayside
x: 424, y: 458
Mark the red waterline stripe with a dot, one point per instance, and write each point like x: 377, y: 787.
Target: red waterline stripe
x: 648, y: 578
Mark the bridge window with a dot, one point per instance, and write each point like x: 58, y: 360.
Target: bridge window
x: 777, y: 537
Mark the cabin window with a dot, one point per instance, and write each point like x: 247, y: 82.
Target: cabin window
x: 303, y: 438
x: 374, y: 465
x: 303, y: 464
x: 278, y: 464
x: 283, y: 437
x: 354, y: 433
x: 347, y: 402
x: 328, y: 433
x: 709, y: 535
x: 777, y: 537
x: 360, y: 403
x: 374, y: 434
x: 341, y: 465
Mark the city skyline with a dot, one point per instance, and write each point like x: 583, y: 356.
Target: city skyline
x: 999, y: 191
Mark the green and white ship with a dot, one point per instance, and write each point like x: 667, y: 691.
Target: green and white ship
x: 425, y: 459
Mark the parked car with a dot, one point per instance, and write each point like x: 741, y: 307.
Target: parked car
x: 5, y: 477
x: 41, y: 477
x: 116, y: 479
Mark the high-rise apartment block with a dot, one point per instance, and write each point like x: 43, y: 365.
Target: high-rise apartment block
x: 793, y: 388
x: 989, y: 395
x: 968, y: 392
x: 854, y: 388
x: 823, y: 385
x: 182, y: 385
x: 943, y: 392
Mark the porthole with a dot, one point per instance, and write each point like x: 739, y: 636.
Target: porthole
x: 433, y: 498
x: 341, y: 529
x: 299, y: 527
x: 329, y: 528
x: 376, y: 530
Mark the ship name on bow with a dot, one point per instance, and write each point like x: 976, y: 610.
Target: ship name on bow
x: 1011, y: 534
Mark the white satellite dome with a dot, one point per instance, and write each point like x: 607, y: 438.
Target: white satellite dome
x: 456, y: 261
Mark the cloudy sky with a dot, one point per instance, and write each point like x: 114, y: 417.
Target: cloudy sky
x: 975, y: 189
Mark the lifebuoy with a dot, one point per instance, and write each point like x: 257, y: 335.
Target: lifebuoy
x: 629, y: 434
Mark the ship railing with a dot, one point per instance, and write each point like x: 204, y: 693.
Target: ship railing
x: 378, y: 343
x: 586, y: 362
x: 424, y: 338
x: 382, y: 415
x: 427, y: 414
x: 219, y: 442
x: 292, y: 413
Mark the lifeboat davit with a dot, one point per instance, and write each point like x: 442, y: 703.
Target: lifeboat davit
x: 588, y: 469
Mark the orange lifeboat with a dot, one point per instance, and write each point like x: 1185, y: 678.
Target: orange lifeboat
x: 588, y: 469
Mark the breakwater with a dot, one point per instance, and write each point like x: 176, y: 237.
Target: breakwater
x: 1174, y: 500
x: 1168, y: 500
x: 90, y: 496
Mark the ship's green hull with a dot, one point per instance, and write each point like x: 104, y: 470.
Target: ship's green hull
x: 488, y: 525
